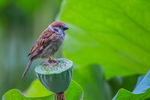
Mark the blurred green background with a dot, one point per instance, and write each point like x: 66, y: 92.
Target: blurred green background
x: 108, y: 42
x: 21, y: 23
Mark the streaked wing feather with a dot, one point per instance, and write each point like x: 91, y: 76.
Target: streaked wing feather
x: 43, y: 41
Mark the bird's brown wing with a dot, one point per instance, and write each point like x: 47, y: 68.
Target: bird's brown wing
x: 45, y: 38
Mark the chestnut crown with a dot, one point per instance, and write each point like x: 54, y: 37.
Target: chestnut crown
x: 59, y: 24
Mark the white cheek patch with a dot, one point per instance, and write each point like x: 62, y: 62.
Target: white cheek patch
x: 51, y: 28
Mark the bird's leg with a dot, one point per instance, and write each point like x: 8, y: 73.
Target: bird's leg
x: 51, y: 59
x: 49, y: 64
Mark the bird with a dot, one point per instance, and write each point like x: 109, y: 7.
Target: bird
x: 47, y: 44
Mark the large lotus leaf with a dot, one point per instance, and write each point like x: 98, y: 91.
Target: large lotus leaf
x: 127, y: 82
x: 15, y: 94
x: 35, y: 87
x: 127, y: 95
x: 38, y: 92
x: 74, y: 91
x: 92, y: 81
x: 112, y: 33
x: 141, y: 92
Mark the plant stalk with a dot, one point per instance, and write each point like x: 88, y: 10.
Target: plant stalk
x: 60, y: 96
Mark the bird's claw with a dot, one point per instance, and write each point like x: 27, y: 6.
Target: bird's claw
x: 51, y: 59
x: 49, y: 64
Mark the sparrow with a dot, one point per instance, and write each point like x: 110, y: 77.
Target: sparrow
x: 48, y: 43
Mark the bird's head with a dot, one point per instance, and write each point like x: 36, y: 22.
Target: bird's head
x: 58, y: 27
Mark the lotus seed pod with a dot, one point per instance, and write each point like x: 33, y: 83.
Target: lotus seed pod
x: 56, y: 78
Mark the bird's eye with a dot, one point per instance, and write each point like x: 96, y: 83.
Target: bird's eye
x: 56, y: 29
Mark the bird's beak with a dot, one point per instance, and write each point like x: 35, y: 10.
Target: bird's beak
x: 66, y: 28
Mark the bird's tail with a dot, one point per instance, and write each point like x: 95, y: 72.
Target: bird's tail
x: 27, y: 68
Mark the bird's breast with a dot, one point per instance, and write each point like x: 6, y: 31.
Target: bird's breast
x: 52, y: 48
